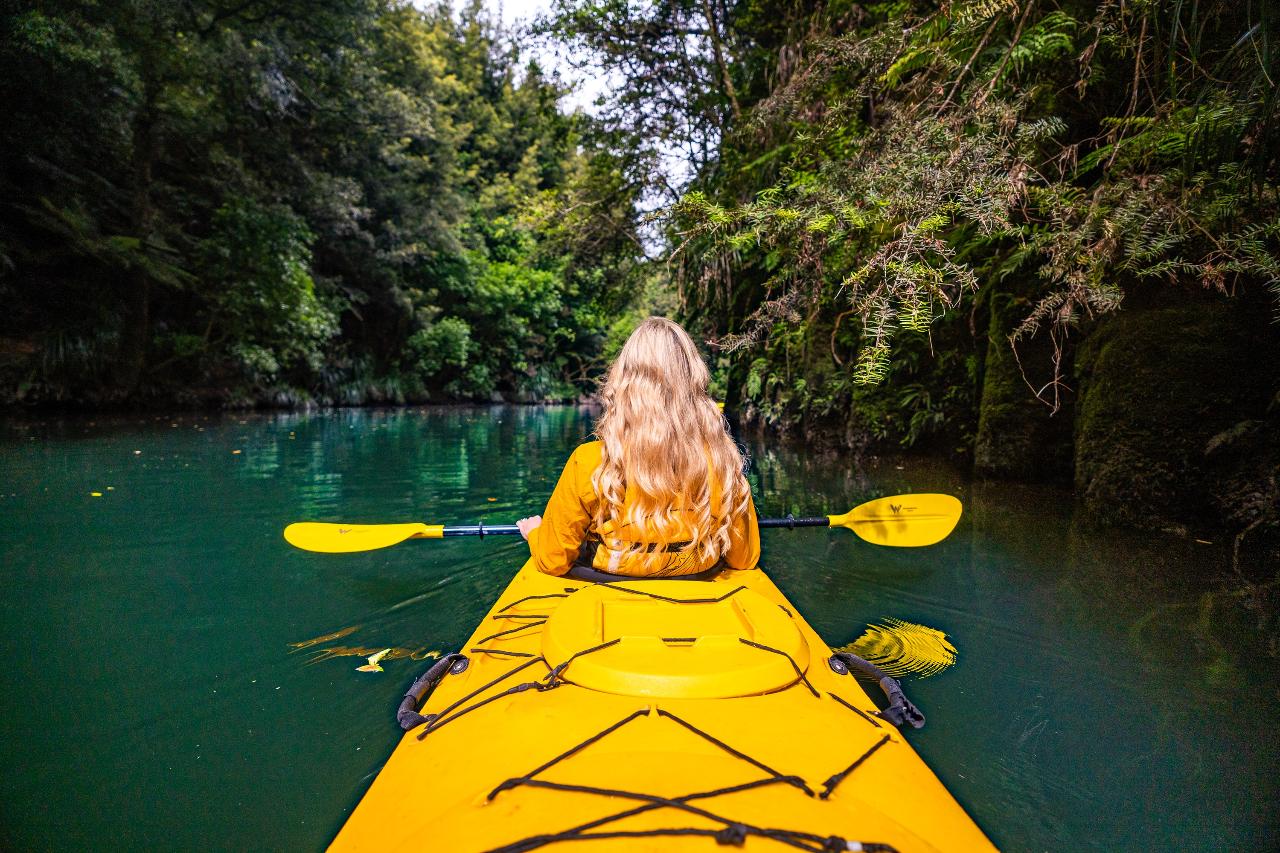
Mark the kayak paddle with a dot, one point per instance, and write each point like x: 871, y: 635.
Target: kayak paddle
x: 901, y: 521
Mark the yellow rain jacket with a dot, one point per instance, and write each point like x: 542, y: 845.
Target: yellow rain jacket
x: 566, y: 522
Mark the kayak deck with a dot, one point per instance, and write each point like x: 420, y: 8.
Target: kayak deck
x: 653, y: 715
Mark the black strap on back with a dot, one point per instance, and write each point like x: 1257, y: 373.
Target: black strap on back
x: 582, y: 572
x: 592, y: 542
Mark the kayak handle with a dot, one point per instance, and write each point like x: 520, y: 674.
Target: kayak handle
x: 900, y: 710
x: 407, y: 715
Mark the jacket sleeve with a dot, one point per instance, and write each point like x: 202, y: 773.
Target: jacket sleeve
x: 555, y: 543
x: 744, y: 540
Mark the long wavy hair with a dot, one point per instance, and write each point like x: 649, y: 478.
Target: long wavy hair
x: 664, y: 440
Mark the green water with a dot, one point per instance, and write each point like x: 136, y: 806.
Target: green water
x: 1106, y: 696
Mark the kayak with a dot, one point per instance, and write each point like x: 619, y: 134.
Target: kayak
x: 644, y: 714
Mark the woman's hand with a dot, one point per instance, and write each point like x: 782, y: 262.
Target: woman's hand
x: 527, y: 525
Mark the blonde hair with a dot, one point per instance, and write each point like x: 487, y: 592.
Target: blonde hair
x: 664, y: 437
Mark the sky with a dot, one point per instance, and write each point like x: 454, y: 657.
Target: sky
x: 517, y: 10
x: 586, y: 87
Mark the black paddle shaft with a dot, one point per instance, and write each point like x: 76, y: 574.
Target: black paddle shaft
x: 483, y: 529
x: 791, y: 521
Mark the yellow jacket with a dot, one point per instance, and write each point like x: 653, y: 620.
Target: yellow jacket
x: 566, y: 523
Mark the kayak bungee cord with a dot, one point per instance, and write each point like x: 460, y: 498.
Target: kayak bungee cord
x: 568, y: 591
x: 799, y: 672
x: 669, y: 599
x: 501, y: 653
x: 514, y: 630
x: 829, y: 786
x: 861, y: 713
x: 733, y: 832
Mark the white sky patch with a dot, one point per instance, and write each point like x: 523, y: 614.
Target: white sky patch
x: 586, y: 86
x: 589, y: 85
x: 517, y: 15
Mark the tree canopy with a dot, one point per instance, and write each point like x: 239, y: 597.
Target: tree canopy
x: 340, y: 200
x: 363, y: 200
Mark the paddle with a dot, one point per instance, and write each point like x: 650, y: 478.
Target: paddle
x: 901, y: 521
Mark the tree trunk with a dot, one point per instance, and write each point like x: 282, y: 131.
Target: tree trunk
x: 713, y: 31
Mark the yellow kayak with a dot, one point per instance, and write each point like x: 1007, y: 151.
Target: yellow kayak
x: 656, y: 715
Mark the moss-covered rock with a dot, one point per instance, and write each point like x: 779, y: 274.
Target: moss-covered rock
x: 1019, y: 437
x: 1154, y: 387
x: 1243, y: 463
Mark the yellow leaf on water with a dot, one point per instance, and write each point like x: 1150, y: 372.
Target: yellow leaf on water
x: 234, y: 452
x: 95, y: 494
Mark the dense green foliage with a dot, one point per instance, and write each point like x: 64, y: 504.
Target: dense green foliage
x: 344, y: 200
x: 891, y: 184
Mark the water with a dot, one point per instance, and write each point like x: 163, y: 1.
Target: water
x: 1108, y: 694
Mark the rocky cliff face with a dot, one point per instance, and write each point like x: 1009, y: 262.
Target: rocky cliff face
x: 1156, y: 387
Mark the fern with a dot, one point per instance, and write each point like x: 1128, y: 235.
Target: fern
x: 1048, y: 41
x: 872, y: 365
x: 989, y: 154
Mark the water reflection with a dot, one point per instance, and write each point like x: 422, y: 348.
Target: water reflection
x: 904, y: 648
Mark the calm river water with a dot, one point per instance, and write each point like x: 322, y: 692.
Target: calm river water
x: 159, y: 692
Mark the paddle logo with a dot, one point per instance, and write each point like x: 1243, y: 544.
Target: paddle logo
x: 897, y: 508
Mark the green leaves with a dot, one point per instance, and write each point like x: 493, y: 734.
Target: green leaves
x: 872, y: 365
x: 444, y: 344
x: 265, y: 307
x: 895, y: 163
x: 353, y: 199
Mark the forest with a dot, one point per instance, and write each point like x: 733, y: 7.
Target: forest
x: 1041, y: 237
x: 272, y: 203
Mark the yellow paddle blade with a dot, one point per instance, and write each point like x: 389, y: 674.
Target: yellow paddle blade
x: 348, y: 538
x: 904, y: 648
x: 908, y: 521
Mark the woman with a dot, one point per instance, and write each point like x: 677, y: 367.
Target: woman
x: 662, y: 492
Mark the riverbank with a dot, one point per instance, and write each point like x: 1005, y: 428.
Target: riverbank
x: 1169, y: 426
